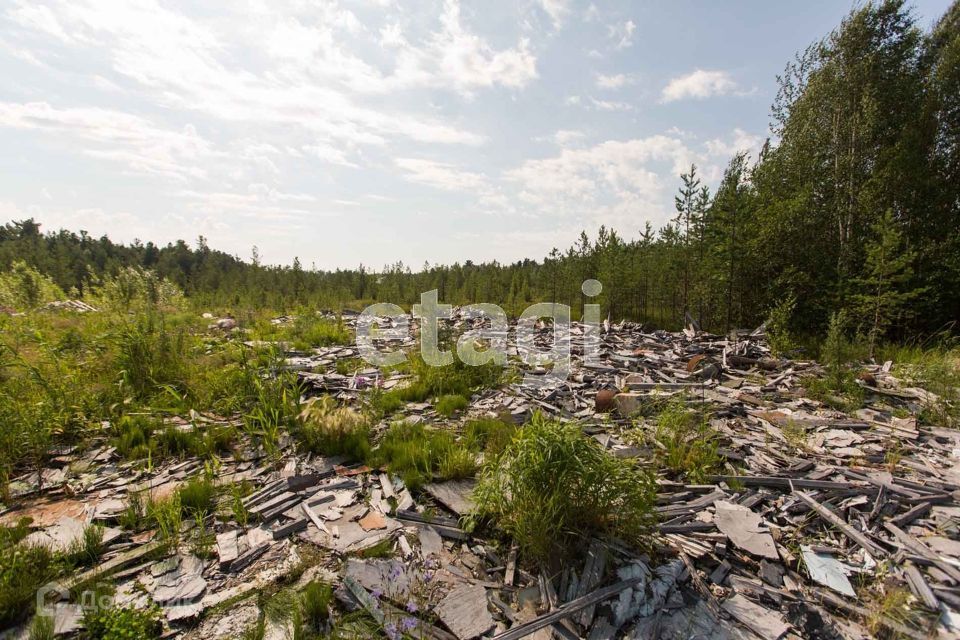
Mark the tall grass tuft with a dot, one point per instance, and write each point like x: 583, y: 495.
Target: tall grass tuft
x: 552, y: 487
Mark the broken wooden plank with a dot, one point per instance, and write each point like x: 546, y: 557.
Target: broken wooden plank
x: 835, y: 520
x: 567, y: 610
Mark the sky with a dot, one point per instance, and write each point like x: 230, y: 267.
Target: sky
x: 377, y: 131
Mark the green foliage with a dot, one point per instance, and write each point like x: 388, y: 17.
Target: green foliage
x: 150, y: 359
x: 42, y: 628
x: 23, y: 287
x: 686, y: 443
x: 779, y: 336
x: 412, y: 452
x: 553, y: 486
x: 23, y: 570
x: 449, y: 405
x: 316, y: 600
x: 135, y: 287
x: 86, y: 551
x: 330, y: 430
x: 198, y: 495
x: 488, y: 435
x: 275, y: 407
x: 457, y: 463
x: 884, y: 291
x: 122, y: 623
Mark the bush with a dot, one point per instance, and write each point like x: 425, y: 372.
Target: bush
x: 451, y: 404
x: 150, y: 359
x: 779, y: 336
x: 330, y: 430
x: 552, y: 487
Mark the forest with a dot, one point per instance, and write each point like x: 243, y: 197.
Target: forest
x: 762, y: 442
x: 852, y: 206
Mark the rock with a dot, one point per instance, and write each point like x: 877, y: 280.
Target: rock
x: 628, y: 403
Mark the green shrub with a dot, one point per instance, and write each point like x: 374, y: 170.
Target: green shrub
x: 150, y: 359
x: 779, y: 336
x: 450, y: 404
x: 552, y: 487
x: 328, y: 429
x: 122, y: 623
x: 275, y: 407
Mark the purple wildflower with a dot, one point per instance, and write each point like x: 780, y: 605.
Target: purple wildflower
x: 408, y: 624
x: 411, y: 606
x: 377, y: 593
x: 391, y: 631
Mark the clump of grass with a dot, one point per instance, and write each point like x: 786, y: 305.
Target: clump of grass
x: 275, y: 407
x: 451, y: 404
x: 552, y: 487
x: 150, y: 358
x: 23, y: 570
x: 412, y: 452
x: 87, y: 550
x: 488, y: 435
x: 310, y: 331
x: 328, y: 429
x: 315, y: 600
x: 122, y: 623
x: 687, y: 444
x: 42, y: 628
x: 198, y: 495
x: 457, y: 463
x: 936, y: 369
x: 457, y: 379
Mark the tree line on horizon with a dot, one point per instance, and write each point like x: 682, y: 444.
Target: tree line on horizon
x: 853, y: 206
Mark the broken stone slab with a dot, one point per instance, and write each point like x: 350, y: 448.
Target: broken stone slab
x: 464, y: 611
x: 347, y: 535
x: 60, y: 536
x: 455, y: 495
x: 744, y: 528
x: 182, y: 584
x: 764, y: 622
x: 826, y: 570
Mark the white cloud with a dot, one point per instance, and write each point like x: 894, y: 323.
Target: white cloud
x: 615, y: 81
x: 563, y: 137
x: 699, y: 84
x: 622, y: 33
x: 556, y: 9
x: 134, y: 142
x: 440, y: 175
x: 739, y: 141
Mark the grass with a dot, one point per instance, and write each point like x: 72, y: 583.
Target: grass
x: 328, y: 429
x: 553, y: 487
x: 412, y: 452
x: 683, y: 442
x: 122, y: 623
x: 457, y: 379
x: 451, y: 404
x: 316, y: 600
x: 936, y: 369
x: 198, y: 495
x: 488, y: 435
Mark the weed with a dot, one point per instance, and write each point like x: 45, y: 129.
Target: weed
x: 122, y: 623
x: 412, y: 452
x: 684, y: 441
x: 449, y: 405
x: 150, y: 358
x: 238, y: 492
x: 553, y: 486
x: 456, y: 463
x: 488, y: 435
x: 42, y: 628
x: 778, y: 322
x: 330, y: 430
x: 87, y: 550
x: 795, y: 433
x: 276, y: 406
x: 383, y: 549
x: 168, y: 516
x: 23, y: 570
x: 316, y: 600
x: 197, y: 495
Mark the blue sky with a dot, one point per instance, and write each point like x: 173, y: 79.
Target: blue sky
x: 377, y: 130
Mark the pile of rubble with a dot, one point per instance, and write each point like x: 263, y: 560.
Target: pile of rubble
x: 816, y: 506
